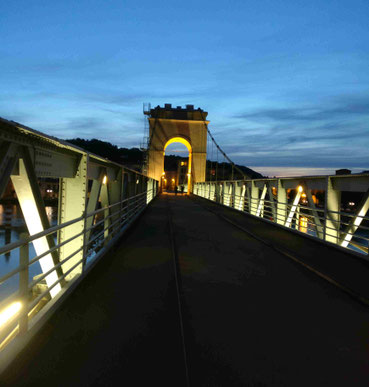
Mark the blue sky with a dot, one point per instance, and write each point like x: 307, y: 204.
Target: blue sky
x: 286, y: 83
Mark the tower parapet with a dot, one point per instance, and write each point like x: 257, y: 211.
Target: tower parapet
x: 177, y: 113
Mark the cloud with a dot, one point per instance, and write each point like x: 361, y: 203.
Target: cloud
x: 346, y: 107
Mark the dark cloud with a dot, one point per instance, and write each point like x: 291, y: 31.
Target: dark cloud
x: 358, y: 106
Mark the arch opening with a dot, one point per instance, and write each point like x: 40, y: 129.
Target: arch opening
x: 177, y: 170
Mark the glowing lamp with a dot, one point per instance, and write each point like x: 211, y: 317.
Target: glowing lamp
x: 105, y: 179
x: 300, y: 189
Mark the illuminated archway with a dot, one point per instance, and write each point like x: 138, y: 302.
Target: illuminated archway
x: 187, y: 126
x: 187, y: 144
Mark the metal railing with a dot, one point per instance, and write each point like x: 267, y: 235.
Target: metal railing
x: 346, y: 229
x: 18, y: 311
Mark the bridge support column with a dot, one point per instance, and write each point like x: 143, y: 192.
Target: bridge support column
x: 281, y: 203
x: 72, y: 204
x: 332, y: 209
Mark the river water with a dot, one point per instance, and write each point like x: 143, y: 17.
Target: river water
x: 11, y: 226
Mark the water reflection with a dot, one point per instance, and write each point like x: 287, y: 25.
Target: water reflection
x: 12, y: 225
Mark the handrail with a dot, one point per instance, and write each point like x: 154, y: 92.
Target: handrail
x: 328, y: 223
x: 113, y: 222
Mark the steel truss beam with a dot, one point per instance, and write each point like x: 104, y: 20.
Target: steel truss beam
x: 355, y: 221
x: 33, y: 209
x: 8, y: 159
x: 72, y: 204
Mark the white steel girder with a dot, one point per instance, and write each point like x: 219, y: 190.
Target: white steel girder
x: 332, y: 209
x: 8, y: 159
x: 318, y: 224
x: 239, y: 192
x: 355, y: 221
x: 260, y: 208
x: 293, y: 208
x: 33, y: 209
x: 72, y: 205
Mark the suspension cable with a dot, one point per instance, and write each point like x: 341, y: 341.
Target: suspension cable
x: 220, y: 149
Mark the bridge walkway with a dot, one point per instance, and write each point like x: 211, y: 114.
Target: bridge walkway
x: 249, y: 315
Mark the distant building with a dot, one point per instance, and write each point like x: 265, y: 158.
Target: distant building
x: 343, y: 172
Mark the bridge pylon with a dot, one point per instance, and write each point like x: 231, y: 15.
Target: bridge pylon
x: 188, y: 126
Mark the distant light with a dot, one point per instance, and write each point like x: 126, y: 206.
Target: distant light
x: 137, y: 181
x: 163, y: 173
x: 9, y: 312
x: 188, y: 174
x: 351, y: 204
x: 303, y: 195
x: 300, y: 189
x: 303, y: 224
x: 173, y: 180
x: 105, y: 179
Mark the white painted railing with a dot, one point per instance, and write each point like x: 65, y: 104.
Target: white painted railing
x: 292, y: 203
x: 20, y: 311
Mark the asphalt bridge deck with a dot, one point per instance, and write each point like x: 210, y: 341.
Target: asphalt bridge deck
x: 251, y: 316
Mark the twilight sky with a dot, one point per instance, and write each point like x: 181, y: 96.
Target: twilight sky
x: 286, y: 83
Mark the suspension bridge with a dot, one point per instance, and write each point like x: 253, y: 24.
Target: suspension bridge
x: 236, y: 282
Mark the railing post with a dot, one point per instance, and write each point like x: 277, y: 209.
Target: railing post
x: 85, y: 241
x: 23, y: 285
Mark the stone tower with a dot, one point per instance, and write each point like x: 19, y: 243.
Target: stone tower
x: 187, y: 126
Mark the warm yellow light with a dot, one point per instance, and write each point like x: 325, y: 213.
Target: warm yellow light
x: 163, y: 173
x: 304, y: 195
x: 173, y: 180
x: 165, y: 180
x: 9, y: 312
x: 188, y: 174
x: 300, y: 189
x: 105, y: 179
x: 303, y: 224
